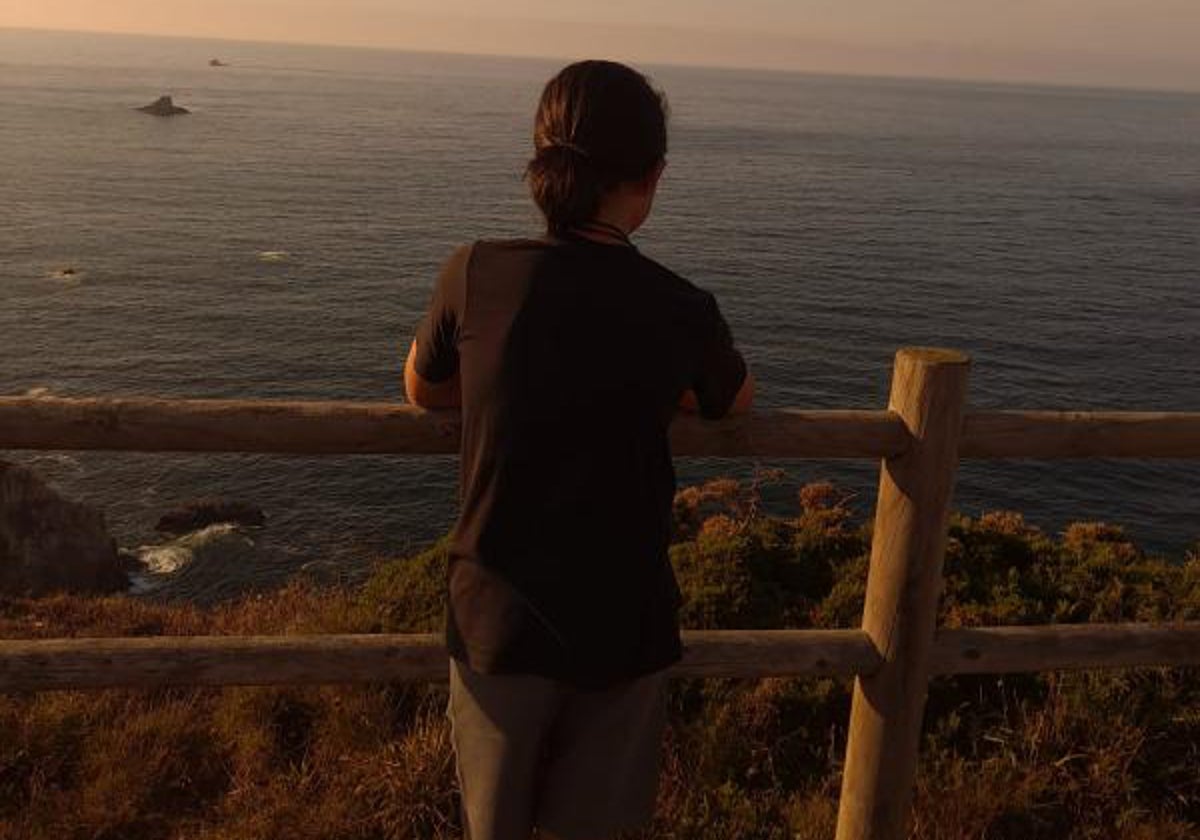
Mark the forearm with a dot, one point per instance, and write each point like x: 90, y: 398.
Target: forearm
x: 745, y: 395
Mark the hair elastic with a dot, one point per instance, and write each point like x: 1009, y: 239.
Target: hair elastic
x: 563, y: 144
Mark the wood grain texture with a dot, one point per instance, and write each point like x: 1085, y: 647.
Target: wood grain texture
x: 1080, y: 434
x: 776, y: 653
x: 929, y: 389
x: 1002, y: 650
x: 160, y: 425
x: 323, y: 428
x: 54, y: 664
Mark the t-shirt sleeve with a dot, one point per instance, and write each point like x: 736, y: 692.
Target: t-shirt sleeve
x: 721, y: 369
x: 439, y: 329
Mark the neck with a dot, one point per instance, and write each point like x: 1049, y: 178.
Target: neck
x: 622, y: 211
x: 623, y: 214
x: 601, y: 230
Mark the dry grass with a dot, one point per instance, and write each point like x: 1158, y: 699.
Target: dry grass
x: 1035, y: 756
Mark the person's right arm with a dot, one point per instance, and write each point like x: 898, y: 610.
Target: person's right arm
x: 431, y: 370
x: 722, y: 384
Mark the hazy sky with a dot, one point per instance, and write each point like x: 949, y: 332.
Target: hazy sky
x: 1140, y: 43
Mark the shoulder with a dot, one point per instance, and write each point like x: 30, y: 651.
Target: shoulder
x: 466, y: 261
x: 462, y: 258
x: 459, y: 260
x: 493, y: 254
x: 449, y: 290
x: 676, y: 286
x: 511, y: 245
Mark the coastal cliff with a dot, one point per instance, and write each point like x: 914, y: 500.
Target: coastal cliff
x: 51, y: 544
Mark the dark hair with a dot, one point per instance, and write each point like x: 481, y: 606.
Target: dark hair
x: 599, y: 123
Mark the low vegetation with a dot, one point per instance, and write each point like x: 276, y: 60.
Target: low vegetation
x: 1089, y: 755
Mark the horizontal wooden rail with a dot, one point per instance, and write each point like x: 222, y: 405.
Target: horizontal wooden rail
x: 41, y: 665
x: 54, y: 664
x: 1065, y: 647
x: 1080, y: 434
x: 347, y: 428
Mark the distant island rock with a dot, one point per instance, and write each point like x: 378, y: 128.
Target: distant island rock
x: 204, y: 512
x: 164, y: 106
x: 216, y: 62
x: 51, y: 544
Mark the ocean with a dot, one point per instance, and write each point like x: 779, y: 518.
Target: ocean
x: 281, y: 241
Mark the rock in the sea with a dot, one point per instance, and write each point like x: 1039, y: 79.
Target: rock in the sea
x: 204, y: 512
x: 164, y: 106
x: 51, y: 544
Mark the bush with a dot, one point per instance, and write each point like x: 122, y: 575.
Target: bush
x: 1086, y: 755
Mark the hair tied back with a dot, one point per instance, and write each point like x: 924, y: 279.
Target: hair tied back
x: 598, y: 124
x: 570, y: 147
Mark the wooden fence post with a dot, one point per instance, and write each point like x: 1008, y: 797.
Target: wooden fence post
x: 905, y: 579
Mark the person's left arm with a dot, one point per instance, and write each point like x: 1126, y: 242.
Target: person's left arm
x: 431, y: 371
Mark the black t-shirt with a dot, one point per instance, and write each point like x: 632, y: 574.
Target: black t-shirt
x: 573, y: 356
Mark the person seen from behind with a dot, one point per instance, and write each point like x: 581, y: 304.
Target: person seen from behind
x: 568, y: 355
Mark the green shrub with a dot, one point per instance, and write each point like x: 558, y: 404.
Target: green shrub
x: 408, y: 595
x: 1061, y: 756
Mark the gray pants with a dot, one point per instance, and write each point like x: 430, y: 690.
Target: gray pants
x: 535, y: 752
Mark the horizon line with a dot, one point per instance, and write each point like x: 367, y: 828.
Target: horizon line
x: 775, y: 70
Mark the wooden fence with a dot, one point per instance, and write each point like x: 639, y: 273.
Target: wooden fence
x: 920, y: 438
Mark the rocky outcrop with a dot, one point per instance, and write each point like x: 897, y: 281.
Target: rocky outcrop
x: 164, y: 106
x: 51, y: 544
x: 204, y: 512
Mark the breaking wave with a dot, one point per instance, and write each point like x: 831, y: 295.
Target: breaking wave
x: 211, y: 564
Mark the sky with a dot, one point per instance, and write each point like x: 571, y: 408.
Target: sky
x: 1123, y: 43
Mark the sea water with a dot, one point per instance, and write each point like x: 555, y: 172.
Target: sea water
x: 281, y: 240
